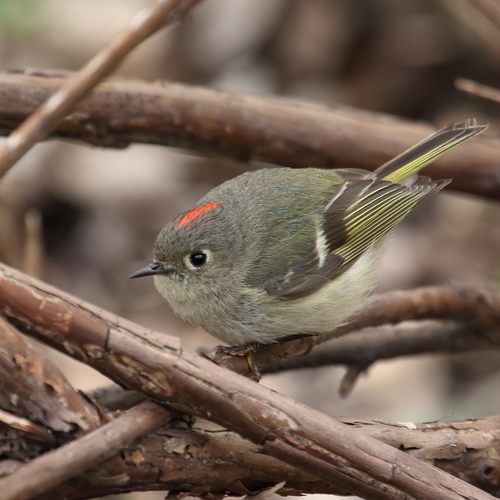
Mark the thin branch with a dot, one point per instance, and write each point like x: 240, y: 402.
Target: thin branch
x: 365, y: 347
x: 359, y: 350
x: 44, y: 120
x: 477, y: 89
x: 154, y: 364
x: 284, y: 132
x: 55, y: 467
x: 26, y: 427
x: 33, y: 258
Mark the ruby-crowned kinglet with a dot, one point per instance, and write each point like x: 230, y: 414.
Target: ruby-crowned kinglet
x: 280, y: 252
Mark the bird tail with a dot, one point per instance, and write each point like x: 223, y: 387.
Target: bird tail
x: 418, y: 156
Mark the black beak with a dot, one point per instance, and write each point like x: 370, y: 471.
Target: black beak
x: 150, y: 269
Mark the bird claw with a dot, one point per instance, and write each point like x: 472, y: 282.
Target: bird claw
x: 246, y: 351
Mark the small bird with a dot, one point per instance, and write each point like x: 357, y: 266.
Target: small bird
x: 281, y: 253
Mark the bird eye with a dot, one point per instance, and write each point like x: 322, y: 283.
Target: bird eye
x: 198, y: 259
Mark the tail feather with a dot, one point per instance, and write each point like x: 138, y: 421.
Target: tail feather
x: 417, y: 157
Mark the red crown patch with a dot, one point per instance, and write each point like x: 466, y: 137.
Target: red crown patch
x: 192, y: 214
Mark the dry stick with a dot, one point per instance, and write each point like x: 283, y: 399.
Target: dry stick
x: 55, y: 467
x: 364, y: 348
x: 477, y: 89
x: 43, y: 121
x: 470, y: 305
x: 359, y: 350
x: 461, y: 448
x: 121, y: 475
x: 33, y: 258
x: 290, y: 133
x: 26, y: 427
x: 156, y: 365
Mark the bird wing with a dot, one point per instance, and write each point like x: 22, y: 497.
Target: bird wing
x: 367, y: 206
x: 360, y: 214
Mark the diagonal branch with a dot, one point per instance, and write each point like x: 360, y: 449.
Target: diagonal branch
x: 43, y: 121
x: 285, y: 132
x: 156, y: 365
x: 199, y: 459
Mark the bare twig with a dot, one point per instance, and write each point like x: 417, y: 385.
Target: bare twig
x: 25, y: 426
x: 365, y: 347
x: 33, y: 243
x: 156, y: 365
x: 478, y: 89
x: 349, y: 379
x: 359, y: 350
x: 265, y: 494
x: 55, y: 467
x: 285, y: 132
x: 43, y: 121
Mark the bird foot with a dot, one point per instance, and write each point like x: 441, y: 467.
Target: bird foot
x: 246, y: 351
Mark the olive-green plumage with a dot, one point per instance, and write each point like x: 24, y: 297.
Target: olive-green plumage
x: 280, y: 252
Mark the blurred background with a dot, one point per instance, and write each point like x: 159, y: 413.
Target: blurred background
x: 100, y: 210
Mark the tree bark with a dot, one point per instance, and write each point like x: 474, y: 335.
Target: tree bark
x: 280, y: 131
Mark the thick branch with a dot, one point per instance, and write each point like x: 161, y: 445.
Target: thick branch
x: 31, y: 387
x: 155, y: 364
x: 43, y: 121
x: 284, y: 132
x: 34, y: 388
x: 208, y: 459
